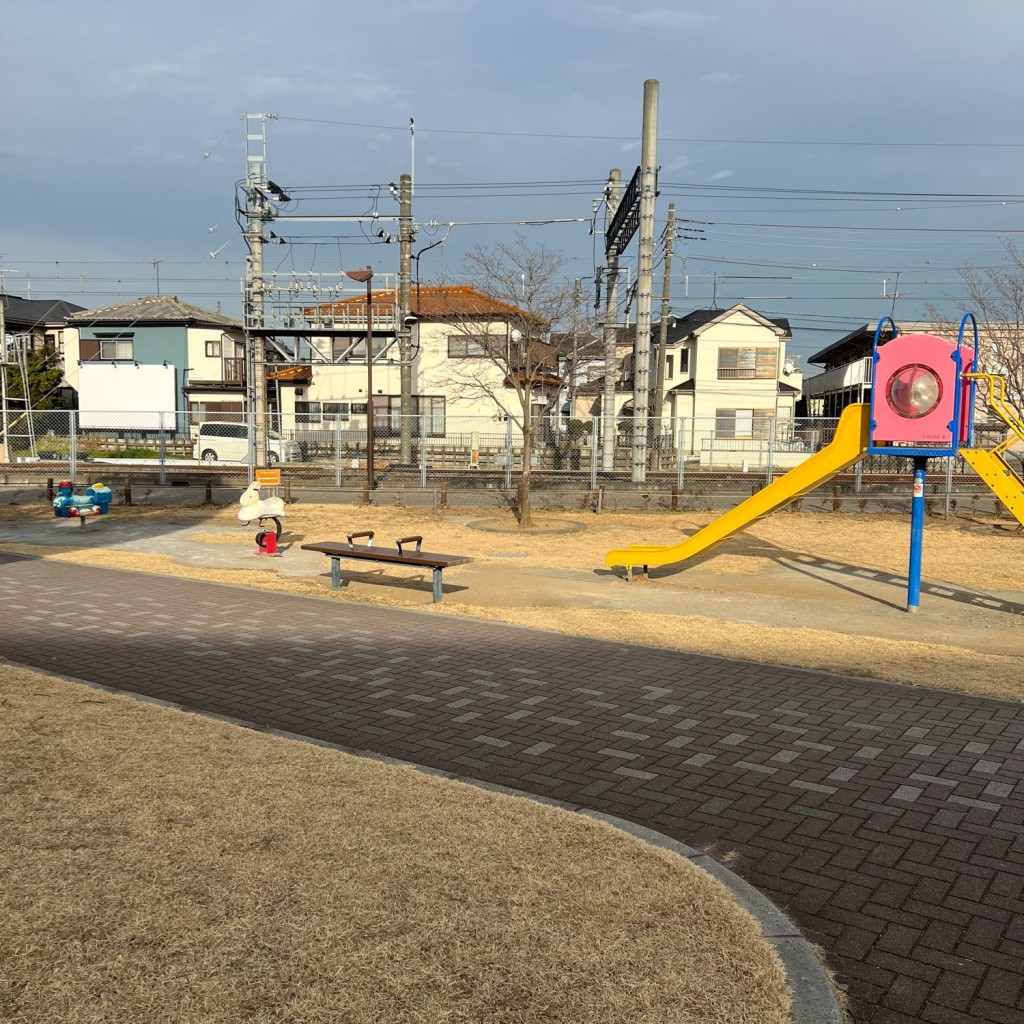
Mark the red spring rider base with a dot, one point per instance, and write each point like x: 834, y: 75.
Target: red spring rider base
x: 267, y: 538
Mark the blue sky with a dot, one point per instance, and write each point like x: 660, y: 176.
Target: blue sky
x: 121, y: 139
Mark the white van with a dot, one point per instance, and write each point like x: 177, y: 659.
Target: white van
x: 229, y: 442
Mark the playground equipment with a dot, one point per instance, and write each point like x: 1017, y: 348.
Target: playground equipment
x: 267, y: 512
x: 68, y: 505
x: 923, y: 397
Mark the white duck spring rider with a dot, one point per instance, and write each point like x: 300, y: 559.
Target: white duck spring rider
x: 253, y: 507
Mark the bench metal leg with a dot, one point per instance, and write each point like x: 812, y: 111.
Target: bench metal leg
x: 335, y: 573
x: 437, y: 585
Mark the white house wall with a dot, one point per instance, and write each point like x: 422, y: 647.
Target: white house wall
x: 433, y: 374
x: 712, y: 394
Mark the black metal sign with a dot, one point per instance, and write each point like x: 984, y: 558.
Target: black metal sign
x: 626, y: 219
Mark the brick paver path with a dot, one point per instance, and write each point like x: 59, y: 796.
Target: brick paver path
x: 889, y: 821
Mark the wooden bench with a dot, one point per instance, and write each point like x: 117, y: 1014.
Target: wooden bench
x: 398, y: 555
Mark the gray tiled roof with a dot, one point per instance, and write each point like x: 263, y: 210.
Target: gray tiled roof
x: 150, y: 309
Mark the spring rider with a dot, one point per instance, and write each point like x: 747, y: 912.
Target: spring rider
x: 68, y: 505
x: 267, y: 512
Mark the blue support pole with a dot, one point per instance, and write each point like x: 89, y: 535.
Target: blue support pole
x: 916, y: 534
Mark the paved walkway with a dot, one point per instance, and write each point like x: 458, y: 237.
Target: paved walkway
x: 888, y: 820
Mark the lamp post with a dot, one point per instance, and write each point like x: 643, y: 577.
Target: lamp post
x: 367, y: 276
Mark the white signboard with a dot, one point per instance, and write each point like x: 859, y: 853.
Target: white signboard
x: 123, y: 396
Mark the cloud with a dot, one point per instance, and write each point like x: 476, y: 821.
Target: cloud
x: 680, y: 163
x: 724, y: 77
x: 435, y: 7
x: 596, y: 14
x: 668, y: 17
x: 628, y: 147
x: 719, y: 175
x: 19, y: 149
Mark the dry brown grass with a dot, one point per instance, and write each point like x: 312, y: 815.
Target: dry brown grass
x: 162, y: 867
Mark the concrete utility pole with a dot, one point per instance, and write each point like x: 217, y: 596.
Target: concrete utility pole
x: 666, y: 288
x: 571, y: 390
x: 404, y: 316
x: 611, y: 317
x: 645, y: 275
x: 258, y: 212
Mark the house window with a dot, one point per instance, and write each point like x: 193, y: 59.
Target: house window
x: 335, y: 412
x: 684, y: 361
x: 430, y: 407
x: 307, y: 412
x: 468, y: 346
x: 358, y: 408
x: 748, y: 363
x: 217, y: 411
x: 668, y: 367
x: 345, y: 349
x: 213, y: 349
x: 110, y: 347
x: 743, y: 423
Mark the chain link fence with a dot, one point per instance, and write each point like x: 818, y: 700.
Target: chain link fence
x: 692, y: 463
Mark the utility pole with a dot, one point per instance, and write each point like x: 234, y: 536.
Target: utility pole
x: 645, y: 275
x: 405, y: 316
x: 575, y: 347
x: 611, y: 316
x: 257, y: 212
x: 666, y: 287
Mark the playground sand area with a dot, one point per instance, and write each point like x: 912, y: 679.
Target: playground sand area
x: 809, y: 589
x: 221, y: 874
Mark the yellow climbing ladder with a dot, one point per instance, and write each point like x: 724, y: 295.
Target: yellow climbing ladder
x: 989, y: 463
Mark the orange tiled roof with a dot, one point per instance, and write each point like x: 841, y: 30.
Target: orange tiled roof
x: 297, y: 373
x: 439, y: 302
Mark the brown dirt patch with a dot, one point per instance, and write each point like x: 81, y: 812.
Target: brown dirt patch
x: 160, y: 867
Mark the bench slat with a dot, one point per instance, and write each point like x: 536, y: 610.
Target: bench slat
x: 372, y: 553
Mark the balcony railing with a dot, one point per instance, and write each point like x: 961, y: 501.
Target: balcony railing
x: 233, y: 371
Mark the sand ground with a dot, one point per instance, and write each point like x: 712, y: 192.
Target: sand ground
x: 823, y: 591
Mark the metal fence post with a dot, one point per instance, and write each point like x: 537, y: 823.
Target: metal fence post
x: 771, y: 444
x: 508, y: 453
x: 337, y: 453
x: 423, y: 450
x: 858, y: 476
x: 949, y: 485
x: 250, y: 419
x: 72, y: 448
x: 163, y: 451
x: 681, y: 457
x: 595, y: 426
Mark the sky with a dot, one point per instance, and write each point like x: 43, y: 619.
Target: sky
x: 829, y: 163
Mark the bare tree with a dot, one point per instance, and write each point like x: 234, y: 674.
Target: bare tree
x: 518, y: 294
x: 996, y: 297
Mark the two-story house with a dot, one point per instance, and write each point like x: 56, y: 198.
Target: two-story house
x: 463, y: 353
x: 135, y: 364
x: 726, y: 371
x: 41, y: 319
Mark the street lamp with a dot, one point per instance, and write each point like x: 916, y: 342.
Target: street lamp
x: 367, y: 276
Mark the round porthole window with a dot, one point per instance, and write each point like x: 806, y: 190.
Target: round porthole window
x: 913, y: 391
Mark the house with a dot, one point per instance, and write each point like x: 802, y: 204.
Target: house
x: 466, y: 347
x: 846, y: 377
x: 41, y: 319
x: 133, y: 365
x: 726, y: 371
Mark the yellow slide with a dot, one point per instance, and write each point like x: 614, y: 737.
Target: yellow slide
x: 989, y: 463
x: 848, y: 446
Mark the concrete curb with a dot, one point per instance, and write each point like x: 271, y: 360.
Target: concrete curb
x: 814, y: 998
